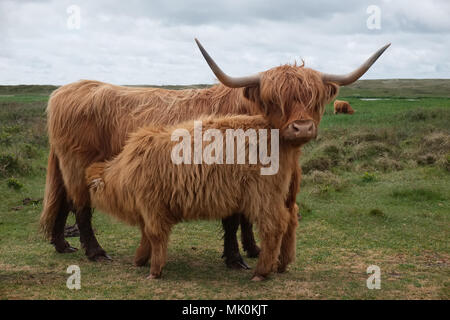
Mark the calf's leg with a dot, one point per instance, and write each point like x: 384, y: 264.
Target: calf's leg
x: 271, y: 229
x: 144, y: 251
x: 158, y: 236
x: 288, y: 242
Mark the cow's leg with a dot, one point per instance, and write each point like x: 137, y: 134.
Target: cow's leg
x: 73, y: 170
x: 248, y: 239
x: 288, y: 242
x: 61, y: 245
x: 144, y: 251
x: 87, y: 238
x: 55, y: 206
x: 233, y: 258
x: 271, y: 229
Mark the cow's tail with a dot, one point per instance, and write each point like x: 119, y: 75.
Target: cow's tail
x: 55, y: 194
x: 94, y: 176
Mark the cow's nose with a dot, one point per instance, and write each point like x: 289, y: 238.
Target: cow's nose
x: 300, y: 130
x: 307, y: 128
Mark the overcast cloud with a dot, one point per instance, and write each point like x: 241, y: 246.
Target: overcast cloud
x: 151, y: 42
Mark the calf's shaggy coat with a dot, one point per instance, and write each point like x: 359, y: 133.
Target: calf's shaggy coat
x: 141, y: 186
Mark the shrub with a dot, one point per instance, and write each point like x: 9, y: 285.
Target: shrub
x: 331, y: 150
x: 426, y: 159
x: 30, y: 151
x: 368, y: 177
x: 376, y: 213
x: 361, y: 137
x: 9, y: 162
x: 12, y: 129
x: 320, y: 164
x: 14, y: 183
x: 417, y: 115
x: 304, y: 209
x: 324, y: 182
x: 387, y: 164
x: 436, y: 143
x: 444, y: 162
x: 369, y: 150
x: 5, y: 138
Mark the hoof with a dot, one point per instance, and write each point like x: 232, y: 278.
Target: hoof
x: 281, y: 269
x: 64, y: 247
x: 69, y: 249
x: 140, y: 262
x: 253, y: 252
x: 237, y: 263
x: 103, y: 256
x: 153, y: 276
x: 258, y: 278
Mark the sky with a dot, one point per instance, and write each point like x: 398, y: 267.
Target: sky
x: 152, y: 42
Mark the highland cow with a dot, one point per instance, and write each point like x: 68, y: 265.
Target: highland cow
x: 342, y: 107
x: 89, y: 121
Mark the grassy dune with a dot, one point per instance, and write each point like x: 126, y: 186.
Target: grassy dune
x: 375, y: 191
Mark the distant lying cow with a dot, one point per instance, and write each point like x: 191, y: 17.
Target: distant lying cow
x: 144, y: 186
x: 342, y: 107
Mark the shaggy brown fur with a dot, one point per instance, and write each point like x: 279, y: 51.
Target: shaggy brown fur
x: 342, y: 107
x: 89, y: 121
x: 142, y: 186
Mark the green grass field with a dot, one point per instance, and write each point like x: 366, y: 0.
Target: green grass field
x: 375, y: 191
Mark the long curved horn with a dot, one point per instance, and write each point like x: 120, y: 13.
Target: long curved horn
x: 232, y: 82
x: 351, y: 77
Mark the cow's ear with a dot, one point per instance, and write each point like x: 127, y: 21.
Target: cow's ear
x: 332, y: 90
x: 252, y: 93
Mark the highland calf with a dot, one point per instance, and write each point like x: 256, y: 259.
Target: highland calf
x: 342, y: 107
x: 143, y: 186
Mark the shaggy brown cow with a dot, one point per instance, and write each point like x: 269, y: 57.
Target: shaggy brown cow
x: 342, y: 107
x: 142, y: 186
x: 88, y: 121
